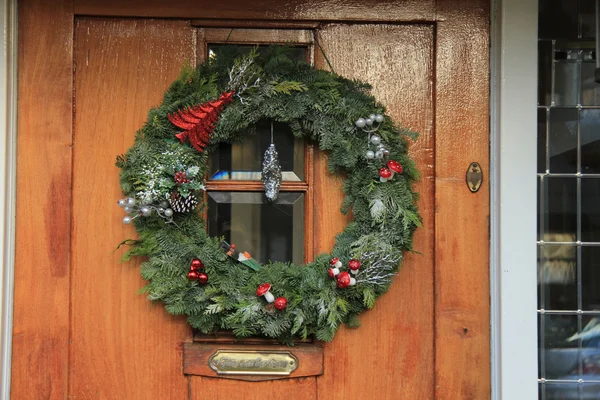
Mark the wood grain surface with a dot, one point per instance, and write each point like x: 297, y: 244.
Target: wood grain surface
x: 391, y: 354
x: 40, y: 344
x: 327, y: 10
x: 462, y: 300
x: 122, y: 346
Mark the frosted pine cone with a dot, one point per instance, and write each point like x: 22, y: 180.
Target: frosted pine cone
x: 182, y: 204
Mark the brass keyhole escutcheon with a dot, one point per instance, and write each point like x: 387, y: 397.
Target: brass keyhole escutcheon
x: 474, y: 177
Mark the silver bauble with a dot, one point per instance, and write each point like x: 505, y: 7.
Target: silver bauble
x: 379, y: 118
x: 370, y: 154
x: 360, y: 122
x: 375, y: 140
x: 168, y: 212
x: 122, y: 203
x: 127, y: 220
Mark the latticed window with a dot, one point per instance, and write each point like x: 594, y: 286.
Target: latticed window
x: 568, y: 202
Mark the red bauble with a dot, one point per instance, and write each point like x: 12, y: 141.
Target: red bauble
x: 196, y: 265
x: 192, y: 275
x: 202, y: 278
x: 280, y: 303
x: 343, y: 280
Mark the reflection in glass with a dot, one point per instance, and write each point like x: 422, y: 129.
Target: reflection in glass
x: 243, y: 161
x: 558, y: 19
x: 590, y: 90
x: 559, y: 198
x: 566, y: 83
x: 563, y: 140
x: 590, y: 141
x: 590, y: 210
x: 557, y: 274
x: 545, y: 58
x: 268, y: 231
x: 590, y: 274
x: 541, y: 140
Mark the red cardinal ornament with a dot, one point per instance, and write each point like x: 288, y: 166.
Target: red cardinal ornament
x: 199, y: 122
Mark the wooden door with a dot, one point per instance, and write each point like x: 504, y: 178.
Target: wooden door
x: 88, y: 75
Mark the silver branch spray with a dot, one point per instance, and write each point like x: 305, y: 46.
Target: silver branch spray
x: 271, y: 171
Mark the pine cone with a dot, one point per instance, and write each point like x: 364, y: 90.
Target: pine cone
x: 182, y: 204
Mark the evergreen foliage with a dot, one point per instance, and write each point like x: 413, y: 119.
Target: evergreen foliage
x: 318, y: 105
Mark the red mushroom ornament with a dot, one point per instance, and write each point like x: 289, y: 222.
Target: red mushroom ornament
x: 344, y: 280
x: 281, y: 303
x: 353, y: 266
x: 264, y: 290
x: 335, y: 265
x: 395, y: 167
x: 384, y: 174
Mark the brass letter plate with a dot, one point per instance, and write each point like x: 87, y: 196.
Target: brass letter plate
x: 249, y: 362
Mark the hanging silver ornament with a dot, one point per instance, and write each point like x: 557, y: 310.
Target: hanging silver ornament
x: 271, y: 171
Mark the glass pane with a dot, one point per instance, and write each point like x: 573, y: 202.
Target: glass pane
x: 590, y: 90
x: 545, y: 58
x: 557, y: 276
x: 587, y: 10
x: 243, y: 161
x: 590, y: 276
x: 541, y: 140
x: 558, y: 19
x: 590, y: 210
x: 562, y: 143
x: 268, y: 231
x: 559, y: 196
x: 590, y: 141
x: 560, y: 352
x: 298, y: 53
x: 566, y: 82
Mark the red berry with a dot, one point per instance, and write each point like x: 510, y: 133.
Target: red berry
x: 202, y: 278
x: 196, y: 265
x: 192, y: 275
x: 343, y: 280
x: 280, y: 303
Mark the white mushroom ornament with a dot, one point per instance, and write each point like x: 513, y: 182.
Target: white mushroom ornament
x: 335, y: 265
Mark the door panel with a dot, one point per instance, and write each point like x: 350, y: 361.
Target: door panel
x: 82, y: 332
x: 391, y: 354
x: 122, y: 346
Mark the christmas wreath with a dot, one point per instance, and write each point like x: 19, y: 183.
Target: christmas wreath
x: 220, y: 287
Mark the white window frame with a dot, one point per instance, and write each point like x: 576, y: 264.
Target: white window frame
x: 513, y: 199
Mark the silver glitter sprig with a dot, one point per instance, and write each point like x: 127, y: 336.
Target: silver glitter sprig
x: 271, y: 173
x: 134, y: 210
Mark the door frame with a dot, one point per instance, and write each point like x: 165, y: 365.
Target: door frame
x: 8, y: 161
x: 513, y: 255
x: 8, y: 164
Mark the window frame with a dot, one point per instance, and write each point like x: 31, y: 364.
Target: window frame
x: 262, y: 36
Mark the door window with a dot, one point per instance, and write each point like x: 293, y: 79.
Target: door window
x: 237, y: 208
